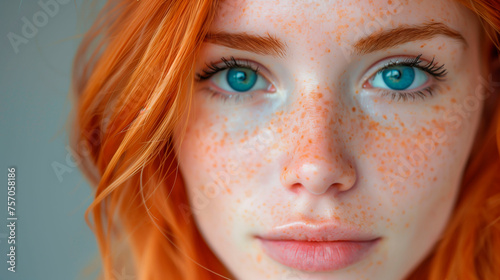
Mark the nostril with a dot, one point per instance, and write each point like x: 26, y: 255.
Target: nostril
x: 340, y: 187
x: 296, y: 188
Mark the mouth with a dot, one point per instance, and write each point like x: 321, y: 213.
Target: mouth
x: 310, y: 247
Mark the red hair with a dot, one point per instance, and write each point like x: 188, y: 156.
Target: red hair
x: 140, y: 54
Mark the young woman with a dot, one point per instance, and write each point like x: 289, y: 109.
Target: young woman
x: 293, y: 139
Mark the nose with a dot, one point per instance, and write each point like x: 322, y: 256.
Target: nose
x: 320, y: 157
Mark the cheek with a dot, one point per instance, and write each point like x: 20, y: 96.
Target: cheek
x: 220, y: 163
x: 413, y: 159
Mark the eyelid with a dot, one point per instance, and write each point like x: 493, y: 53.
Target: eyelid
x: 214, y: 69
x: 384, y: 61
x: 245, y: 63
x: 367, y: 84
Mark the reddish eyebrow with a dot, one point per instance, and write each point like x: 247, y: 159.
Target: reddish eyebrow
x: 404, y: 34
x: 266, y: 45
x: 270, y: 45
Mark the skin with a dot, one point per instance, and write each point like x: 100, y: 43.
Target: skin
x: 324, y: 148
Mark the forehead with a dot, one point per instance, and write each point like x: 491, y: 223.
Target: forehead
x: 335, y: 19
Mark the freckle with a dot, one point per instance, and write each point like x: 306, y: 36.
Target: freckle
x: 438, y: 107
x: 259, y: 258
x: 407, y: 225
x: 453, y: 100
x: 357, y: 92
x: 354, y: 109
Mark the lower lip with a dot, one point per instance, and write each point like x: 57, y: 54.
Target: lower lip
x: 317, y: 256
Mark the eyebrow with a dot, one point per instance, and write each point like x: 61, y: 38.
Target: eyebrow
x: 265, y: 45
x: 270, y: 45
x: 404, y: 34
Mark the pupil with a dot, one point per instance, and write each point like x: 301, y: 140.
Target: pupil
x: 241, y: 76
x: 241, y: 79
x: 394, y: 74
x: 399, y: 77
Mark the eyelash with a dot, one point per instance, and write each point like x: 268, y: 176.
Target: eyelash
x: 438, y: 72
x: 212, y: 69
x: 432, y: 68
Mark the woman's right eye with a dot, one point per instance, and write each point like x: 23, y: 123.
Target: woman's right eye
x: 239, y: 80
x: 234, y: 80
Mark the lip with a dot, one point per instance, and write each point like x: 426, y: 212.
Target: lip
x: 317, y: 247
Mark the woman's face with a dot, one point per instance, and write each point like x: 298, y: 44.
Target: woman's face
x: 326, y: 139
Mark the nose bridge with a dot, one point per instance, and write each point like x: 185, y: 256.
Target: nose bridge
x: 318, y: 159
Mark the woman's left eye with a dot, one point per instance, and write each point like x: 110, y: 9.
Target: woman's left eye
x: 399, y: 77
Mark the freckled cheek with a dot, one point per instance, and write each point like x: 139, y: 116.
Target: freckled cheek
x: 217, y: 156
x: 408, y: 160
x: 222, y: 168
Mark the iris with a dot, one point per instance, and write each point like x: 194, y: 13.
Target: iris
x: 398, y: 77
x: 241, y: 79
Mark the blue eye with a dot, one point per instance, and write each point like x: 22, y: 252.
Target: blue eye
x: 235, y: 80
x: 399, y: 78
x: 241, y: 79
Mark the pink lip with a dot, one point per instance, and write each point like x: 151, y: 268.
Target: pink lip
x: 317, y: 247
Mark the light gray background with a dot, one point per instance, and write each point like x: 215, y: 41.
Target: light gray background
x: 53, y: 241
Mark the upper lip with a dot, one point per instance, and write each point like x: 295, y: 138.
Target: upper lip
x: 309, y: 231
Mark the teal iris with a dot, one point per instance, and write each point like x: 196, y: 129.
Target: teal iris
x: 398, y: 77
x: 241, y: 79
